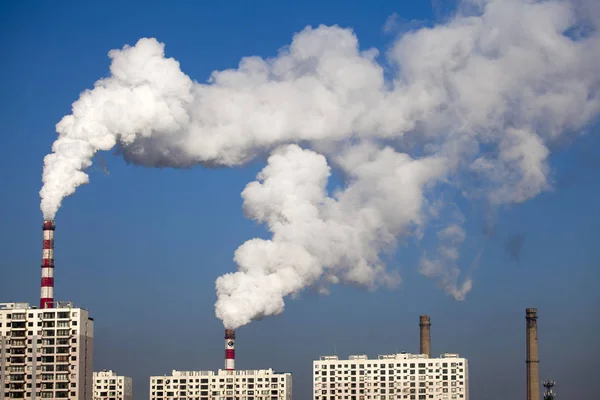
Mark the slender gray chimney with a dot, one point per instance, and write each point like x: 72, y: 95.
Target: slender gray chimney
x: 425, y: 324
x: 533, y: 372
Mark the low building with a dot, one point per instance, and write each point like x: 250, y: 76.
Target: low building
x: 393, y: 376
x: 263, y: 384
x: 110, y: 386
x: 46, y: 353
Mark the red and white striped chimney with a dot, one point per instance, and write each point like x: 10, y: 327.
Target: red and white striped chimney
x: 229, y: 349
x: 47, y: 293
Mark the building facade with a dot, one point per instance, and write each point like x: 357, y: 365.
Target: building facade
x: 110, y: 386
x: 263, y: 384
x: 45, y: 353
x: 393, y: 376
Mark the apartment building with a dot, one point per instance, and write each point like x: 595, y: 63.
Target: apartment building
x: 110, y: 386
x: 45, y: 353
x: 263, y: 384
x: 393, y: 376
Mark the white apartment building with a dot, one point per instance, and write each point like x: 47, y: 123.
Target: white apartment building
x: 45, y: 353
x: 110, y: 386
x: 263, y: 384
x: 393, y: 376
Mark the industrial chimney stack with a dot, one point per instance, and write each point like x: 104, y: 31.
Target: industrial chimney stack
x: 533, y: 374
x: 47, y: 292
x: 425, y: 324
x: 229, y: 349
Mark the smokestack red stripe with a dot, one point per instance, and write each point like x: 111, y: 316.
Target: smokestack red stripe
x: 230, y: 354
x: 46, y: 303
x: 48, y: 225
x: 47, y: 282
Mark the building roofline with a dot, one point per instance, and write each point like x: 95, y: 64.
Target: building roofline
x: 59, y: 305
x: 383, y: 357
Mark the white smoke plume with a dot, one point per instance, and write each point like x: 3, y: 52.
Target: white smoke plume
x: 474, y: 104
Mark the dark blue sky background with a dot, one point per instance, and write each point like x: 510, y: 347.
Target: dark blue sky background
x: 141, y: 248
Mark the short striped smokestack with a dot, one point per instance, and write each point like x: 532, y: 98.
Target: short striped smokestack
x: 229, y: 349
x: 47, y: 291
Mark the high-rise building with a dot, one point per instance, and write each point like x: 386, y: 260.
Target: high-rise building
x: 110, y: 386
x: 45, y: 353
x: 393, y: 376
x: 263, y: 384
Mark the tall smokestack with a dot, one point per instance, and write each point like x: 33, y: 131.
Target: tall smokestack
x: 229, y: 349
x: 425, y: 324
x: 47, y: 292
x: 533, y: 373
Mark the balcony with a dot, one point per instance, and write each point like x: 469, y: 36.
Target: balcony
x: 16, y: 370
x: 18, y: 317
x: 18, y: 327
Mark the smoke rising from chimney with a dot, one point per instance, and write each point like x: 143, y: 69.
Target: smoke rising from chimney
x: 476, y: 99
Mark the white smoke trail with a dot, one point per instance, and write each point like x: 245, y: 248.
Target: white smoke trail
x: 314, y: 234
x: 483, y: 95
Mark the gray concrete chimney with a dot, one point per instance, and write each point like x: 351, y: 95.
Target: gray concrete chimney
x: 532, y: 361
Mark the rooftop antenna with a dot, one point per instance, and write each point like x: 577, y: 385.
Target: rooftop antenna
x: 549, y: 394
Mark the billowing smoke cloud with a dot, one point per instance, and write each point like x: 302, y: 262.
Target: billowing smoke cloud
x: 472, y: 105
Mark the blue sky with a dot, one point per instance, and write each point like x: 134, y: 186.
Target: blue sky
x: 141, y: 248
